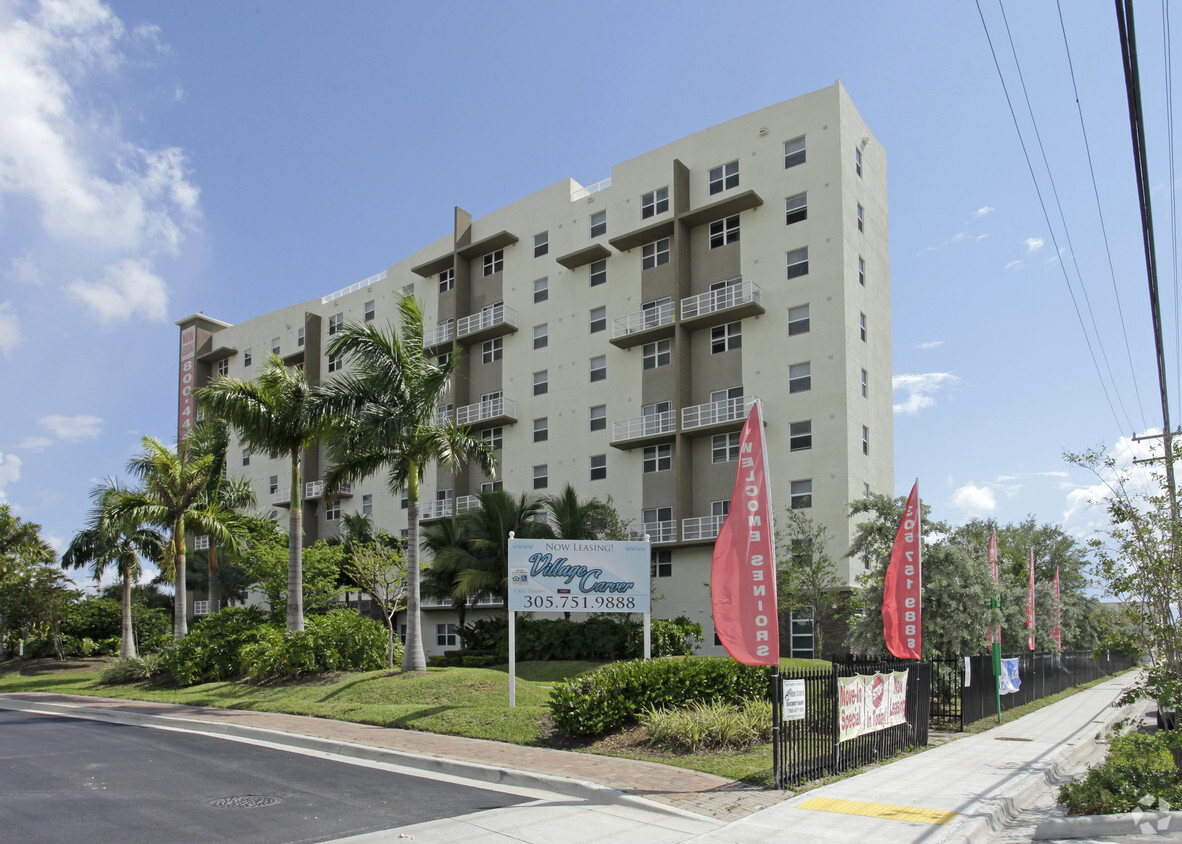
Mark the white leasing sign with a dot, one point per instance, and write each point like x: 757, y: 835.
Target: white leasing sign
x: 576, y: 575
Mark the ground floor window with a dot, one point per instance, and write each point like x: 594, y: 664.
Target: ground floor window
x: 445, y: 635
x: 802, y: 635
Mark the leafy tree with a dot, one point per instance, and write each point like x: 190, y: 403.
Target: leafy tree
x: 387, y: 396
x: 20, y: 543
x: 445, y: 541
x: 112, y: 538
x: 36, y: 597
x: 265, y: 561
x: 381, y: 571
x: 275, y: 414
x: 805, y: 577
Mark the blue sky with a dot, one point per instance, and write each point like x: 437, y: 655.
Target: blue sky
x: 161, y: 159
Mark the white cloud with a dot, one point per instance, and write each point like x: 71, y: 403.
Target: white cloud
x: 73, y: 428
x: 1015, y: 265
x: 981, y: 212
x: 921, y: 389
x: 10, y: 473
x: 35, y: 443
x: 929, y: 345
x: 24, y: 270
x: 10, y: 330
x: 126, y: 288
x: 974, y: 501
x: 1033, y: 244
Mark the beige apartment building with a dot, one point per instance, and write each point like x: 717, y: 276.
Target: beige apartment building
x: 614, y: 336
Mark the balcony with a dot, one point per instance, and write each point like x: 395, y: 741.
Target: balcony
x: 716, y: 417
x: 490, y: 322
x: 658, y: 532
x: 443, y: 333
x: 312, y: 491
x: 466, y: 502
x: 701, y: 528
x: 645, y: 430
x: 737, y: 300
x: 446, y: 603
x: 645, y: 326
x: 438, y: 509
x: 443, y: 416
x: 484, y: 413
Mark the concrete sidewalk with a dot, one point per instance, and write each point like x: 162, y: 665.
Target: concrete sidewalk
x: 961, y: 791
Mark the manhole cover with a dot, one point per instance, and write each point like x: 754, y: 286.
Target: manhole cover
x: 244, y: 801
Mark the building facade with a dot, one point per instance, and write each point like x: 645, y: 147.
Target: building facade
x: 614, y: 336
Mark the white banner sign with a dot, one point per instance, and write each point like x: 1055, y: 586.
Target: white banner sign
x: 868, y: 703
x: 577, y: 575
x: 794, y: 700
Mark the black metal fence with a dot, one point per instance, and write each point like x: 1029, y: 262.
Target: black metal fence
x: 807, y: 748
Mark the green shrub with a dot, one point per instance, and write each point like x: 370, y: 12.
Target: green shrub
x: 1138, y: 766
x: 339, y: 640
x: 709, y: 726
x: 541, y: 639
x: 616, y: 694
x: 478, y: 661
x: 678, y: 637
x: 123, y: 671
x: 213, y: 648
x: 93, y: 618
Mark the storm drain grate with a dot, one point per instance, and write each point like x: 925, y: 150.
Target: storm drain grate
x: 244, y: 801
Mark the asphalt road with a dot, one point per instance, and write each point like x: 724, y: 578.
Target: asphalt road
x: 70, y: 780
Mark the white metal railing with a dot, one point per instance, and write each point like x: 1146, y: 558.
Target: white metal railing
x: 466, y: 502
x: 470, y: 414
x: 487, y: 318
x: 644, y: 426
x: 442, y: 333
x: 442, y: 417
x: 739, y: 293
x: 654, y: 317
x: 353, y: 288
x: 701, y: 527
x: 435, y: 509
x: 582, y: 192
x: 200, y: 543
x: 657, y: 531
x: 715, y: 412
x: 281, y: 495
x: 447, y: 603
x: 315, y: 489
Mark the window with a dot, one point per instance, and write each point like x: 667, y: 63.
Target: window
x: 274, y: 484
x: 651, y: 414
x: 541, y: 477
x: 246, y: 457
x: 445, y: 635
x: 541, y: 290
x: 861, y: 271
x: 274, y: 345
x: 598, y: 417
x: 541, y: 429
x: 246, y: 357
x: 658, y: 458
x: 443, y: 412
x: 727, y: 395
x: 541, y: 383
x: 662, y: 565
x: 443, y: 360
x: 494, y: 262
x: 332, y: 511
x: 223, y: 367
x: 655, y: 254
x: 861, y: 218
x: 541, y: 336
x: 443, y: 495
x: 657, y: 354
x: 494, y: 400
x: 801, y: 494
x: 598, y: 467
x: 798, y: 262
x: 403, y: 501
x: 724, y: 177
x: 865, y: 440
x: 724, y: 448
x: 862, y: 326
x: 201, y: 608
x: 800, y: 435
x: 541, y: 244
x: 796, y: 208
x: 335, y: 323
x: 794, y: 152
x: 720, y: 508
x: 865, y: 384
x: 657, y: 525
x: 491, y: 350
x: 367, y: 505
x: 447, y: 279
x: 798, y: 320
x: 599, y: 368
x: 369, y: 311
x: 493, y: 436
x: 800, y: 377
x: 598, y: 272
x: 300, y: 337
x: 334, y: 363
x: 598, y: 319
x: 725, y: 231
x: 724, y: 338
x: 654, y: 203
x: 492, y: 486
x: 598, y: 223
x: 858, y: 161
x: 402, y: 633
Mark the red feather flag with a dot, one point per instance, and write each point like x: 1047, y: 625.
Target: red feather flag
x: 902, y: 610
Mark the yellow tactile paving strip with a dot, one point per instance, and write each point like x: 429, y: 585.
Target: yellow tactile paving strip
x: 878, y: 810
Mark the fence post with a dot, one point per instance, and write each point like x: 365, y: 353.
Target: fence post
x: 777, y: 727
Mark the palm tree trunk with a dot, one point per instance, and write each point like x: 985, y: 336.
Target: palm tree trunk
x: 413, y: 657
x: 127, y: 649
x: 180, y: 621
x: 214, y: 590
x: 295, y: 543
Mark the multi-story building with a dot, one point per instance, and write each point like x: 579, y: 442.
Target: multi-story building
x: 613, y: 337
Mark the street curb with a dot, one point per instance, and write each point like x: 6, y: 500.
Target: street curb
x: 491, y: 774
x: 1093, y: 826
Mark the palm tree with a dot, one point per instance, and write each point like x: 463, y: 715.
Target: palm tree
x: 275, y: 414
x: 110, y: 539
x: 20, y: 541
x: 482, y: 562
x: 388, y: 398
x: 447, y: 541
x: 571, y: 518
x: 172, y: 497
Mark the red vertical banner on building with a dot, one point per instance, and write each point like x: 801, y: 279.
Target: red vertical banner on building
x: 186, y: 410
x: 1030, y: 606
x: 1056, y: 612
x: 902, y: 609
x: 993, y: 633
x: 743, y: 569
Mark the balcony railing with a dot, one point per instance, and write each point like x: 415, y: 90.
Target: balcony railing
x: 439, y: 509
x: 353, y: 288
x: 470, y: 414
x: 654, y: 317
x: 466, y: 502
x: 716, y: 412
x: 312, y: 491
x: 701, y: 527
x: 446, y: 603
x: 737, y: 292
x: 651, y: 425
x: 657, y: 531
x: 584, y: 192
x: 442, y: 333
x: 488, y: 318
x: 441, y: 417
